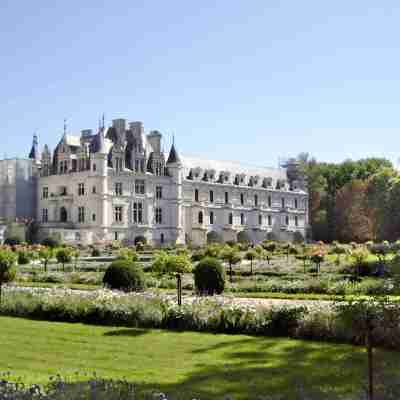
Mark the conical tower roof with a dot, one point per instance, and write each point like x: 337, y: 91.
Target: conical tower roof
x: 173, y: 156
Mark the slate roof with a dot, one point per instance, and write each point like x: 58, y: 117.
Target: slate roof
x: 233, y: 167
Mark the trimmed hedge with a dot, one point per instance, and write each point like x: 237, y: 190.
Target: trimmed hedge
x: 124, y: 275
x: 209, y: 276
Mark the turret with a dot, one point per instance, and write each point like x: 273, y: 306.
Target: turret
x: 34, y: 153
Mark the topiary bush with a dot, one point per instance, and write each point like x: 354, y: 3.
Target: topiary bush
x: 13, y: 241
x: 124, y: 275
x: 24, y: 257
x: 209, y: 276
x: 50, y: 242
x: 96, y: 252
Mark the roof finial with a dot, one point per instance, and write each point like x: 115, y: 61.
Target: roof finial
x: 102, y: 120
x: 173, y: 139
x: 65, y: 126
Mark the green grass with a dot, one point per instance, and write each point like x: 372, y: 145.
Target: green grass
x: 184, y: 365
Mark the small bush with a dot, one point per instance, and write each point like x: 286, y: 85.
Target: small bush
x: 50, y: 242
x: 140, y: 239
x: 13, y: 241
x: 24, y: 258
x: 209, y: 276
x: 124, y: 275
x: 96, y: 252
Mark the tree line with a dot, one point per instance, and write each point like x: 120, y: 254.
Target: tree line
x: 352, y: 201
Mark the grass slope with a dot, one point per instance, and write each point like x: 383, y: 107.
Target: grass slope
x: 184, y: 365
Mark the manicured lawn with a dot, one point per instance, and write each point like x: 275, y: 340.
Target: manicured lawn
x: 183, y: 365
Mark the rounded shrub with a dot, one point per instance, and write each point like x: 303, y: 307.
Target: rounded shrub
x: 24, y: 258
x: 124, y: 275
x: 13, y: 241
x: 209, y: 276
x: 95, y: 252
x: 50, y: 242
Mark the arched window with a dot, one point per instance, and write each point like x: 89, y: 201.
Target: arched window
x: 211, y: 196
x: 211, y: 217
x: 242, y: 219
x: 63, y: 214
x: 200, y: 217
x: 230, y: 219
x: 196, y: 194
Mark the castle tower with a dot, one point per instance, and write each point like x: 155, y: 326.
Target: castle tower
x: 175, y: 171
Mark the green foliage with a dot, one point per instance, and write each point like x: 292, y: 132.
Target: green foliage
x: 13, y: 241
x: 50, y: 242
x: 251, y: 254
x: 95, y: 252
x: 213, y: 250
x: 45, y: 255
x: 171, y: 264
x: 209, y: 276
x: 140, y: 239
x: 230, y: 255
x: 128, y: 254
x: 124, y: 275
x: 64, y: 256
x: 24, y: 257
x: 269, y: 246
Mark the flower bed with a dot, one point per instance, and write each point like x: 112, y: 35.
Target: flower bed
x: 320, y: 321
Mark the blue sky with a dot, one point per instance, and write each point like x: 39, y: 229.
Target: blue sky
x: 248, y: 80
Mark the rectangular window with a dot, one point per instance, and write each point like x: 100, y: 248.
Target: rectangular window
x: 137, y: 166
x: 269, y: 201
x: 256, y: 200
x: 296, y: 204
x: 81, y: 189
x: 211, y: 196
x: 137, y: 213
x: 283, y: 202
x: 45, y: 215
x: 81, y: 214
x: 158, y: 192
x: 241, y: 219
x: 158, y: 215
x: 118, y: 214
x: 269, y: 220
x: 226, y: 197
x: 94, y: 217
x: 287, y: 220
x: 118, y: 189
x: 94, y: 189
x: 211, y: 218
x: 139, y: 186
x: 94, y: 167
x: 196, y: 195
x: 241, y: 198
x: 296, y: 220
x: 142, y: 166
x: 45, y: 192
x: 260, y: 219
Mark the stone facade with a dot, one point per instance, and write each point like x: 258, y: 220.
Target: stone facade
x: 118, y: 184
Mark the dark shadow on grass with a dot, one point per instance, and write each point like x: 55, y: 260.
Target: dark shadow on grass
x: 127, y: 332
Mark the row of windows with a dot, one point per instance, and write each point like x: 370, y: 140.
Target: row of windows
x: 118, y: 189
x: 242, y: 199
x: 242, y: 219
